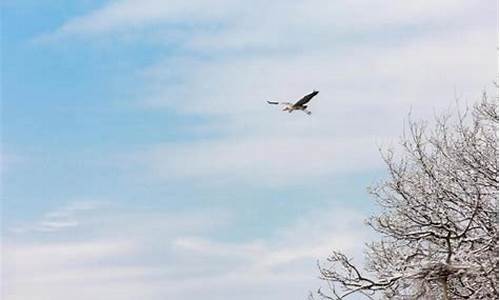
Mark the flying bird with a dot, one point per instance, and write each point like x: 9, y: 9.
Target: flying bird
x: 299, y: 105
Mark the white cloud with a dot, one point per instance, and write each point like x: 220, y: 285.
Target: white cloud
x: 371, y: 61
x: 267, y: 161
x: 57, y: 270
x: 59, y: 256
x: 240, y: 17
x: 132, y: 14
x: 365, y: 95
x: 349, y: 78
x: 123, y: 264
x: 60, y: 219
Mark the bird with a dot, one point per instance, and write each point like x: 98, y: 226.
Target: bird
x: 299, y: 105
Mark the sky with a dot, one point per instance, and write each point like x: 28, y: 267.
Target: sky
x: 140, y: 160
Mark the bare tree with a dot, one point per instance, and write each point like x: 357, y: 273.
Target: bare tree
x: 439, y: 216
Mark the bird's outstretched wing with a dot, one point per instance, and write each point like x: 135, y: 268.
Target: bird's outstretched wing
x: 276, y: 103
x: 306, y: 98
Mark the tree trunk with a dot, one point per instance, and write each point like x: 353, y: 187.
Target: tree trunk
x: 444, y: 281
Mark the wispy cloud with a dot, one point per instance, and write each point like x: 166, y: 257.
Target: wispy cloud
x: 128, y: 264
x: 371, y: 62
x: 278, y: 161
x: 60, y: 219
x: 282, y: 16
x: 365, y: 95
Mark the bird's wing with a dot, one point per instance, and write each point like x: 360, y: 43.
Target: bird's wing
x: 276, y: 103
x: 306, y: 99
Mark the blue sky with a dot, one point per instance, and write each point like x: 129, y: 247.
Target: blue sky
x: 140, y: 160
